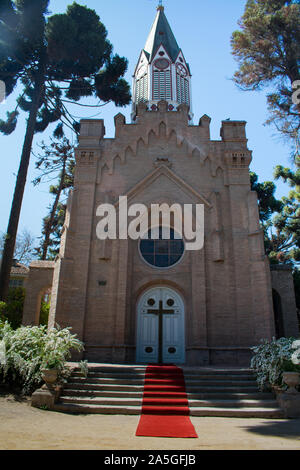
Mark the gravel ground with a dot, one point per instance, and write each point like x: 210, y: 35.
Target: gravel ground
x: 25, y: 428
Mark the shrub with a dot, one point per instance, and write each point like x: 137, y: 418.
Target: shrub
x: 29, y: 350
x: 272, y: 358
x: 12, y: 310
x: 2, y: 310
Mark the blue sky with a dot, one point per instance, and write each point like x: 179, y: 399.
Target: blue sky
x: 203, y: 31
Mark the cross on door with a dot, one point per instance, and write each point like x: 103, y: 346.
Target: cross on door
x: 160, y: 312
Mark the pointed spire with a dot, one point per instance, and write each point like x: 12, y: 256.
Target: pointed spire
x: 161, y: 33
x: 162, y: 73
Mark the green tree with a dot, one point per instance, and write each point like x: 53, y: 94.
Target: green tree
x: 267, y: 49
x: 285, y: 242
x: 267, y: 202
x: 56, y: 60
x: 55, y: 162
x: 56, y: 231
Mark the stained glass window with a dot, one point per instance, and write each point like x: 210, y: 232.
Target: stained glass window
x: 162, y: 253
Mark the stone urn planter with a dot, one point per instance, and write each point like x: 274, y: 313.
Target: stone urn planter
x: 292, y: 380
x: 49, y: 376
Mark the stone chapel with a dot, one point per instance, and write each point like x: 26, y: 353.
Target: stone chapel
x: 152, y: 301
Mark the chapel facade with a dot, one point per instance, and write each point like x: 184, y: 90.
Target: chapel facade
x: 150, y: 301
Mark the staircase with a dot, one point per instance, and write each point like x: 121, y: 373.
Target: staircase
x: 118, y: 389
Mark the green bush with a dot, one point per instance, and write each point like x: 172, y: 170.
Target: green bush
x: 12, y: 310
x: 29, y: 350
x: 2, y: 310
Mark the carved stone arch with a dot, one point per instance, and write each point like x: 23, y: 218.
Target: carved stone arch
x: 162, y: 129
x: 117, y: 159
x: 152, y: 137
x: 206, y: 161
x: 196, y: 153
x: 104, y: 168
x: 141, y: 143
x: 190, y: 148
x: 129, y: 153
x: 173, y: 136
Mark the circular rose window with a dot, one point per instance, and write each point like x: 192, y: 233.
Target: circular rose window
x: 161, y: 64
x: 162, y: 253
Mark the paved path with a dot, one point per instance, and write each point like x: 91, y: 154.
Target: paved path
x: 24, y: 427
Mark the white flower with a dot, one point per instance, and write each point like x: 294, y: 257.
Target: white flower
x: 296, y: 344
x: 295, y: 357
x: 2, y: 353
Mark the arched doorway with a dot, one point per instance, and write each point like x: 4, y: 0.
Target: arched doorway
x: 160, y: 327
x: 278, y: 317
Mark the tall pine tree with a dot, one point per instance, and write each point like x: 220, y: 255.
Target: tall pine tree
x: 267, y: 48
x: 56, y: 60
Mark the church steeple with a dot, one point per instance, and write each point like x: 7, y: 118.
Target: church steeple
x: 162, y: 72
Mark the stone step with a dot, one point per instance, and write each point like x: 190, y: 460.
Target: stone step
x: 271, y: 413
x: 106, y: 387
x: 201, y: 411
x: 97, y: 409
x: 196, y: 396
x: 187, y: 377
x: 188, y: 382
x: 140, y: 388
x: 108, y: 401
x: 227, y: 392
x: 219, y: 378
x: 233, y: 403
x: 101, y: 393
x: 122, y: 401
x: 108, y: 380
x: 112, y: 370
x: 121, y: 373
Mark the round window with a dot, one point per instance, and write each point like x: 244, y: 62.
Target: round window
x: 162, y: 253
x: 162, y: 63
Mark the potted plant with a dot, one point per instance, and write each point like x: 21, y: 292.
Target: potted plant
x: 291, y: 369
x: 50, y: 370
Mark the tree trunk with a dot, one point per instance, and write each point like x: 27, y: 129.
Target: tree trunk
x: 10, y: 240
x: 52, y: 214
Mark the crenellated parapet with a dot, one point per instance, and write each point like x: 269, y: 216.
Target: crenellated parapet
x: 165, y: 132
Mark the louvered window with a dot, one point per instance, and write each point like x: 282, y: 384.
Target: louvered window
x: 162, y: 89
x: 141, y: 91
x: 183, y: 94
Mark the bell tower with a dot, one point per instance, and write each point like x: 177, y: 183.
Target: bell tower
x: 162, y: 72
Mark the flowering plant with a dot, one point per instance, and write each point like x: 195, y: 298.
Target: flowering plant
x: 272, y: 358
x: 29, y: 350
x: 295, y: 357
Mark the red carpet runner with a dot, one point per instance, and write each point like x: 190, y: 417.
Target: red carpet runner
x: 165, y: 409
